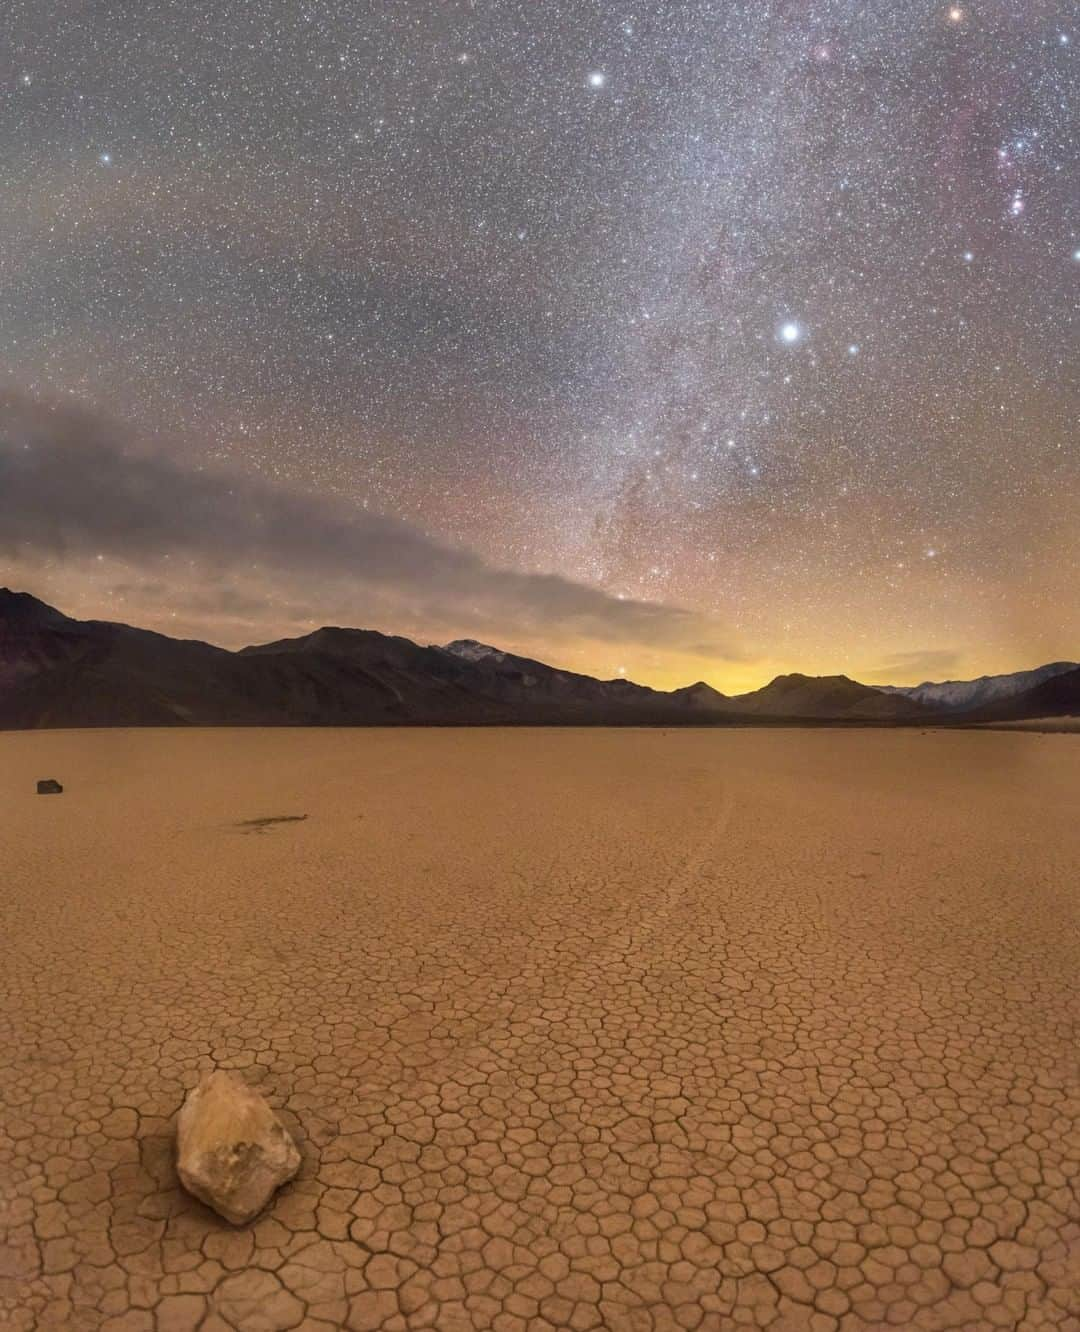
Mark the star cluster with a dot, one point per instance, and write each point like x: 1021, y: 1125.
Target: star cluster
x: 765, y: 311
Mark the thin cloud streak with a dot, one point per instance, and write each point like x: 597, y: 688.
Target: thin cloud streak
x: 917, y: 667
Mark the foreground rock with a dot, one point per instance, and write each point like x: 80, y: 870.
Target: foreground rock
x: 49, y: 786
x: 232, y: 1150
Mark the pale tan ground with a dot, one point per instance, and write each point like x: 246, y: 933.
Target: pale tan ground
x: 577, y: 1029
x: 1048, y: 725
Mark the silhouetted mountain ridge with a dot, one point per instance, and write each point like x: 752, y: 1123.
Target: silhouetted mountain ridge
x: 59, y: 672
x: 1056, y: 696
x: 984, y: 692
x: 826, y: 696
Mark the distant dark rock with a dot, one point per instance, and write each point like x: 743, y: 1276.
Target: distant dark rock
x: 49, y: 786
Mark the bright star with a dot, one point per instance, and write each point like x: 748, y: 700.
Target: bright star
x: 853, y: 350
x: 790, y: 332
x: 597, y: 79
x: 968, y: 257
x: 956, y: 14
x: 105, y: 159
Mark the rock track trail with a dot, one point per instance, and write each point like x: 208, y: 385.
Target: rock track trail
x: 613, y: 1030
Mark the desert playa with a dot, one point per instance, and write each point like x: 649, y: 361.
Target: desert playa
x: 610, y: 1029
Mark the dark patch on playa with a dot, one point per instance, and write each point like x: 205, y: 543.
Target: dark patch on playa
x: 265, y: 824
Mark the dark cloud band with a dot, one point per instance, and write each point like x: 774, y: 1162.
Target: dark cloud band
x: 71, y: 488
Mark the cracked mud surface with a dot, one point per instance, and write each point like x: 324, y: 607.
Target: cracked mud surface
x: 613, y: 1030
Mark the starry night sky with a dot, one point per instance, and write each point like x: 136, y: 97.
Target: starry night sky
x: 754, y: 324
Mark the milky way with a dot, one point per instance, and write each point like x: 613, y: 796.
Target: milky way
x: 765, y: 312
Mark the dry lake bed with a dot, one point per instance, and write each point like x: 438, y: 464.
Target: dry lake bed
x: 575, y: 1029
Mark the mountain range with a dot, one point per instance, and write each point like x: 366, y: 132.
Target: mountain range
x: 985, y: 692
x: 60, y: 672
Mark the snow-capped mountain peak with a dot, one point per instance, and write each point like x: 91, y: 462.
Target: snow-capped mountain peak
x: 962, y: 695
x: 471, y: 650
